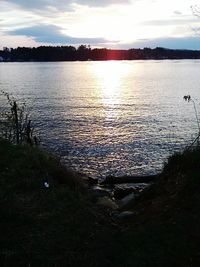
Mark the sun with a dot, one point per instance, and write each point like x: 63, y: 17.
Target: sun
x: 125, y: 24
x: 114, y: 23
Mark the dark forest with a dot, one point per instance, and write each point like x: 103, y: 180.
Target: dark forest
x: 85, y: 53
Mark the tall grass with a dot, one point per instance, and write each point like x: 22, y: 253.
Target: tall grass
x: 188, y: 98
x: 15, y: 124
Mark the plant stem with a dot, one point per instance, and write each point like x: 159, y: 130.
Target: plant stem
x: 16, y: 121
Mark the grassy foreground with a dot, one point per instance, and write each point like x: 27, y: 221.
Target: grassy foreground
x: 39, y: 225
x: 60, y: 226
x: 166, y: 231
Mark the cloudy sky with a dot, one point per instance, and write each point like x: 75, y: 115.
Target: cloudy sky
x: 106, y: 23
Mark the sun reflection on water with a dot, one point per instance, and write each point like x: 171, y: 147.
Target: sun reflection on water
x: 110, y: 76
x: 108, y: 118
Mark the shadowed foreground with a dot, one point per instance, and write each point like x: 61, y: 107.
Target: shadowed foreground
x: 47, y: 218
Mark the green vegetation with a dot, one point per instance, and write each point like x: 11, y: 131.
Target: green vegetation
x: 42, y: 225
x: 15, y: 124
x: 58, y: 224
x: 47, y: 217
x: 166, y: 231
x: 190, y: 99
x: 84, y: 53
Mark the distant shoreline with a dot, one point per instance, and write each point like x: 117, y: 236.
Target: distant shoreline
x: 56, y: 61
x: 85, y: 53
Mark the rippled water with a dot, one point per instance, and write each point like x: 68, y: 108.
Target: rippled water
x: 114, y: 117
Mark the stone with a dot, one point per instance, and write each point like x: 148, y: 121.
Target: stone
x: 124, y: 201
x: 107, y: 202
x: 125, y: 215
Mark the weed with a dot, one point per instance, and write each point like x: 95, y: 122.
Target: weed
x: 188, y: 98
x: 15, y: 124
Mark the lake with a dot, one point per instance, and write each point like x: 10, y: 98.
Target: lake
x: 109, y: 117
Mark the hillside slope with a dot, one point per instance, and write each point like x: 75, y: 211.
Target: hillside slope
x: 47, y: 217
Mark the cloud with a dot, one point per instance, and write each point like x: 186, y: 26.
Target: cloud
x: 177, y: 12
x: 52, y: 34
x: 63, y: 4
x: 168, y: 22
x: 29, y: 4
x: 102, y: 2
x: 53, y: 22
x: 172, y: 43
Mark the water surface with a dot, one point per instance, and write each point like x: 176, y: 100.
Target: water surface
x: 109, y: 117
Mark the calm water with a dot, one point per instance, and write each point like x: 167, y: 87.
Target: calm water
x: 122, y: 117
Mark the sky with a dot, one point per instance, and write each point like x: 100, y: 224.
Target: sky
x: 120, y: 24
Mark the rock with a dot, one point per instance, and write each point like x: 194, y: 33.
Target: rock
x: 125, y: 215
x: 99, y: 191
x: 122, y: 190
x: 129, y: 179
x: 124, y: 201
x: 121, y: 193
x: 92, y: 181
x: 107, y: 202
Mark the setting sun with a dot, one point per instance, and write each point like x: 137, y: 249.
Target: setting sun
x: 103, y: 24
x: 124, y: 23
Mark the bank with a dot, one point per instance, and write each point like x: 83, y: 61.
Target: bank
x: 48, y: 217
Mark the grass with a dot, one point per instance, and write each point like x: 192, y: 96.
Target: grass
x: 61, y: 226
x: 166, y: 231
x: 39, y: 225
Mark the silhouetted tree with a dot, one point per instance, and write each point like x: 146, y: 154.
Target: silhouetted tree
x: 83, y: 52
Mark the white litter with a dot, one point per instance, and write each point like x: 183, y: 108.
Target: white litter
x: 46, y: 184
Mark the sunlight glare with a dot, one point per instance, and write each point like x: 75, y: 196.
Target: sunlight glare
x: 110, y: 76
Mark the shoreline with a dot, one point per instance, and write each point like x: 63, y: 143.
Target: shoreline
x: 108, y: 60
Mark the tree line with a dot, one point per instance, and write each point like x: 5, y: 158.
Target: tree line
x: 84, y: 53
